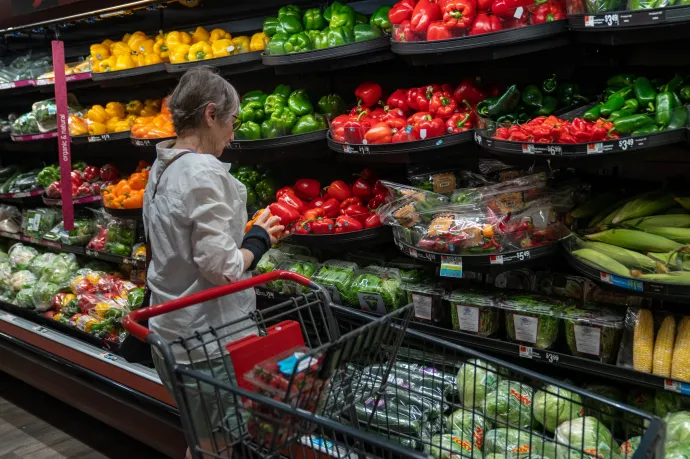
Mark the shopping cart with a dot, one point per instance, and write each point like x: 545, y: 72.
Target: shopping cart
x: 365, y: 386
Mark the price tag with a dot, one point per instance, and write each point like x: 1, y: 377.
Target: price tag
x: 552, y: 358
x: 622, y: 282
x: 522, y: 256
x: 496, y: 259
x: 363, y: 148
x: 624, y: 144
x: 109, y: 356
x: 422, y: 306
x: 527, y: 149
x: 39, y: 329
x: 677, y: 386
x: 98, y: 138
x: 7, y: 85
x: 129, y: 261
x: 477, y: 138
x: 451, y: 267
x: 526, y: 352
x: 611, y: 20
x: 142, y: 143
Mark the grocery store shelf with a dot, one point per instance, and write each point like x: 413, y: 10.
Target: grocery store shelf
x: 68, y: 79
x: 238, y: 63
x: 425, y: 146
x: 148, y: 143
x: 379, y: 235
x: 116, y: 136
x: 21, y: 195
x: 34, y: 137
x: 129, y: 73
x: 75, y: 201
x: 278, y: 142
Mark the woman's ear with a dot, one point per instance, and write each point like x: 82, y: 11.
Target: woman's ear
x: 210, y: 114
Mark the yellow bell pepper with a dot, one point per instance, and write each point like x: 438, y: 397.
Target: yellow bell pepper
x: 107, y: 65
x: 99, y: 52
x: 115, y: 110
x: 132, y: 118
x: 161, y: 36
x: 111, y: 124
x: 77, y: 125
x: 134, y: 107
x: 149, y: 110
x: 152, y: 59
x: 122, y: 126
x: 161, y: 49
x: 139, y: 60
x: 146, y: 46
x: 219, y: 34
x: 241, y: 44
x: 94, y: 64
x: 222, y: 48
x: 136, y: 40
x: 125, y: 37
x: 153, y: 103
x: 200, y: 51
x: 178, y: 54
x: 120, y: 48
x: 200, y: 34
x: 257, y: 42
x: 177, y: 38
x: 124, y: 63
x: 96, y: 128
x: 107, y: 42
x: 97, y: 114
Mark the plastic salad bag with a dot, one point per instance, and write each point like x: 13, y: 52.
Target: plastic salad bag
x: 469, y: 426
x: 39, y: 264
x: 447, y: 446
x: 377, y: 289
x: 22, y: 279
x: 554, y: 405
x: 270, y: 261
x: 21, y: 255
x: 80, y: 235
x: 6, y: 266
x: 61, y: 269
x: 45, y: 112
x: 510, y: 404
x: 25, y: 298
x: 475, y: 379
x: 25, y: 125
x: 43, y: 293
x: 38, y: 222
x: 306, y: 267
x: 509, y: 442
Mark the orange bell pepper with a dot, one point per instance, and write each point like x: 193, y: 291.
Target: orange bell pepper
x: 137, y: 181
x: 134, y: 201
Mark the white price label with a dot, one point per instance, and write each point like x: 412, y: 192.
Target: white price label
x: 527, y: 149
x: 422, y: 306
x: 611, y: 20
x: 554, y: 149
x: 624, y: 144
x: 526, y: 352
x: 522, y: 256
x: 587, y: 339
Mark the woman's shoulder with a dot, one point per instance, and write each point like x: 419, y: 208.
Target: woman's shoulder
x: 200, y: 164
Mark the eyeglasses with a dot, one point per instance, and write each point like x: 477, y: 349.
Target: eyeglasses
x: 236, y: 124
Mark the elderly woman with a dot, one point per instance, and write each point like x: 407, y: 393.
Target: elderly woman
x: 194, y: 217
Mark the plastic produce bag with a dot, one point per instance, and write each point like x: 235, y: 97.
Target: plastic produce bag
x: 678, y: 427
x: 305, y: 267
x: 532, y: 320
x: 469, y: 426
x: 270, y: 261
x: 61, y: 269
x: 510, y: 404
x: 25, y: 125
x: 38, y: 222
x: 449, y: 446
x: 406, y: 206
x: 509, y: 196
x: 377, y: 289
x: 21, y: 255
x: 593, y: 332
x: 43, y: 293
x: 10, y: 219
x: 553, y: 405
x: 442, y: 182
x: 22, y: 279
x: 629, y: 446
x: 475, y: 379
x: 45, y: 112
x: 25, y: 298
x: 80, y: 235
x: 587, y: 434
x: 474, y: 312
x: 41, y: 262
x: 120, y: 239
x: 5, y: 271
x: 336, y: 276
x: 508, y: 442
x: 389, y: 414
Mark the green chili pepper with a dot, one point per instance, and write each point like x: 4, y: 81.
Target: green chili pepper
x: 645, y: 93
x: 608, y: 92
x: 664, y: 107
x: 651, y: 129
x: 248, y: 131
x: 621, y: 80
x: 506, y: 102
x: 483, y: 106
x: 631, y: 104
x: 626, y: 93
x: 511, y: 118
x: 684, y: 93
x: 567, y: 93
x: 631, y: 123
x: 550, y: 84
x: 679, y: 118
x: 548, y: 106
x: 621, y: 114
x: 531, y: 96
x: 675, y: 82
x: 615, y: 102
x: 593, y: 113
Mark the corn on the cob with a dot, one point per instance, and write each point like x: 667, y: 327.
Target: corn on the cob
x: 680, y: 366
x: 676, y: 211
x: 607, y: 217
x: 623, y: 256
x: 595, y: 205
x: 643, y: 206
x: 643, y: 341
x: 681, y: 235
x: 684, y: 201
x: 672, y: 220
x: 672, y: 261
x: 601, y: 261
x: 635, y: 240
x: 663, y: 347
x: 679, y: 277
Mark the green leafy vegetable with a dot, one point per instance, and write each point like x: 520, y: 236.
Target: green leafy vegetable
x: 487, y: 323
x: 475, y: 379
x: 554, y: 405
x: 678, y: 427
x: 510, y: 403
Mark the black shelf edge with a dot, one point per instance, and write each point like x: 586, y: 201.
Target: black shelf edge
x: 402, y: 147
x: 115, y: 136
x: 337, y: 52
x: 22, y: 194
x: 120, y: 74
x: 278, y: 142
x: 238, y: 63
x: 148, y: 143
x: 365, y: 237
x: 136, y: 214
x: 75, y: 201
x: 620, y: 20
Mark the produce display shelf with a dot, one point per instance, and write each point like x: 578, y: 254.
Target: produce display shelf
x: 378, y: 235
x: 679, y: 293
x: 278, y: 142
x: 558, y: 359
x: 68, y: 79
x: 17, y: 84
x: 356, y: 54
x: 75, y: 201
x: 146, y: 70
x: 402, y: 147
x: 33, y: 137
x: 622, y: 145
x: 22, y: 194
x: 84, y: 139
x: 488, y: 46
x: 617, y: 20
x: 239, y: 63
x: 497, y: 260
x: 135, y: 214
x: 146, y: 143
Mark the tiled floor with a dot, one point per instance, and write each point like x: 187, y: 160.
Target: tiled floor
x: 36, y: 426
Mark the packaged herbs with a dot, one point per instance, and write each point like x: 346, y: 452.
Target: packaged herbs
x: 336, y: 276
x: 593, y: 332
x: 532, y: 320
x: 474, y: 312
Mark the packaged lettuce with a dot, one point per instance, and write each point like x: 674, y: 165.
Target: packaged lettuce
x: 21, y: 255
x: 270, y: 261
x: 377, y: 289
x: 532, y: 320
x: 38, y: 222
x: 25, y: 298
x: 516, y: 443
x: 450, y: 446
x: 61, y: 269
x: 5, y: 272
x: 305, y: 267
x: 604, y: 413
x: 593, y: 332
x: 39, y: 264
x: 666, y: 402
x: 427, y: 299
x: 475, y: 379
x: 336, y: 276
x: 290, y: 261
x: 43, y: 293
x: 510, y: 404
x: 588, y: 435
x: 554, y: 405
x: 473, y: 312
x: 674, y: 450
x: 469, y: 425
x: 411, y: 272
x: 629, y: 446
x: 678, y: 427
x: 21, y: 280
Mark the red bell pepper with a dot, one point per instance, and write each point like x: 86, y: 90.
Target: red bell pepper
x: 508, y: 9
x: 549, y: 11
x: 355, y: 128
x: 401, y: 11
x: 424, y: 13
x: 485, y: 23
x: 417, y: 117
x: 459, y: 122
x: 412, y: 101
x: 92, y: 174
x: 307, y: 188
x: 424, y: 95
x: 286, y: 213
x: 429, y: 127
x: 377, y: 201
x: 378, y: 134
x: 484, y: 5
x: 469, y: 90
x: 442, y: 105
x: 407, y: 134
x: 323, y: 226
x: 350, y: 201
x: 338, y: 127
x: 396, y: 124
x: 338, y: 190
x: 77, y: 178
x: 314, y: 214
x: 318, y: 202
x: 404, y: 32
x: 358, y: 212
x: 359, y: 110
x: 368, y: 94
x: 292, y: 200
x: 438, y: 31
x: 392, y: 113
x: 345, y: 224
x: 284, y: 190
x: 380, y: 188
x: 109, y: 173
x: 362, y: 189
x: 377, y: 114
x: 303, y: 227
x: 458, y: 14
x: 398, y: 99
x: 331, y: 207
x: 372, y: 221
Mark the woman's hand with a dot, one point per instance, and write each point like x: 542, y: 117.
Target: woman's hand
x: 271, y: 224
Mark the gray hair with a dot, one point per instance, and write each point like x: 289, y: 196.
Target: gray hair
x: 197, y: 88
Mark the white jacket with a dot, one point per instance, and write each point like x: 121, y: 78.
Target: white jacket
x: 195, y: 225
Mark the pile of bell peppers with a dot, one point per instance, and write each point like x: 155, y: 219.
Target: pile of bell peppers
x: 307, y: 208
x: 284, y: 112
x: 413, y: 114
x: 127, y: 193
x: 151, y: 125
x: 551, y: 129
x: 260, y: 184
x: 113, y: 117
x: 429, y: 20
x: 296, y: 30
x: 86, y: 180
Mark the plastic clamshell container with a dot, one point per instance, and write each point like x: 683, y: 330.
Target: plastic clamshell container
x: 532, y: 320
x: 305, y: 266
x: 377, y: 289
x: 593, y: 332
x: 336, y: 276
x: 427, y: 299
x: 474, y: 312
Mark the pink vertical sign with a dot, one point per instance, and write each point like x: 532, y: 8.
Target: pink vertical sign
x: 63, y: 134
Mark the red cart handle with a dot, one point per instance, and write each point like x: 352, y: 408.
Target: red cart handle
x: 130, y: 321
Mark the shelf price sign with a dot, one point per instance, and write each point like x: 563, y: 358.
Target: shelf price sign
x: 451, y: 267
x: 65, y: 158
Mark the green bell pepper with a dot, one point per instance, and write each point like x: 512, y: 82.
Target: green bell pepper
x: 299, y: 102
x: 621, y: 80
x: 283, y: 90
x: 548, y: 106
x: 276, y: 45
x: 664, y: 108
x: 135, y: 298
x: 380, y: 19
x: 631, y: 123
x: 252, y: 111
x: 117, y: 248
x: 252, y: 96
x: 309, y: 123
x: 361, y: 18
x: 313, y: 19
x: 340, y: 36
x: 502, y: 105
x: 318, y: 39
x: 279, y: 124
x: 645, y: 93
x: 684, y: 93
x: 679, y: 118
x: 265, y: 192
x: 334, y: 8
x: 365, y: 32
x: 298, y: 43
x: 532, y: 96
x: 291, y: 24
x: 274, y: 102
x: 248, y: 131
x: 272, y: 26
x: 290, y: 10
x: 593, y: 113
x: 645, y: 130
x: 247, y: 175
x: 614, y: 103
x: 251, y: 197
x: 344, y: 17
x: 331, y: 105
